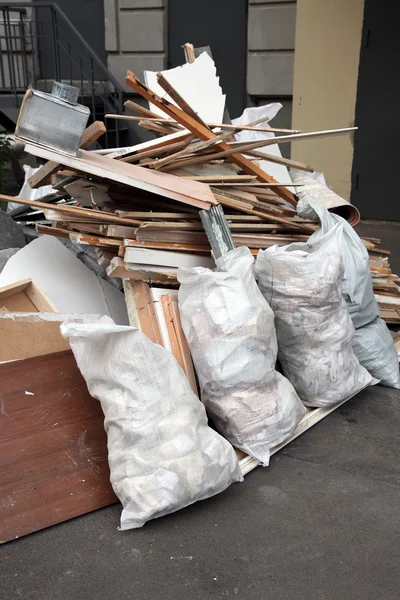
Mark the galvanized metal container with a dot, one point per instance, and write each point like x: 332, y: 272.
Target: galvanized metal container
x: 54, y: 120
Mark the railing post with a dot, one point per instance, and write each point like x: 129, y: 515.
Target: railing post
x: 55, y: 43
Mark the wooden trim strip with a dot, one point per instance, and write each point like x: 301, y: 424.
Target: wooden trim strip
x: 204, y: 133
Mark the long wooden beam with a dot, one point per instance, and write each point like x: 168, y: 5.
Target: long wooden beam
x: 204, y: 133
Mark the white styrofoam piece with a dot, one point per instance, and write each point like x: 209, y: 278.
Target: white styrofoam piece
x: 197, y: 83
x: 166, y: 258
x: 278, y: 172
x: 68, y: 283
x: 312, y: 417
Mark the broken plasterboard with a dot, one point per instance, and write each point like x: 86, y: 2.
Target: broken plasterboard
x: 197, y: 83
x: 67, y: 282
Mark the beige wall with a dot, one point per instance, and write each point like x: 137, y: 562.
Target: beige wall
x: 327, y: 48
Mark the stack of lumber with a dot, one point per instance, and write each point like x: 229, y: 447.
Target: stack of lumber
x: 139, y: 206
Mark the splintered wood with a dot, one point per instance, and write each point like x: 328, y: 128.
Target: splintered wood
x: 139, y: 205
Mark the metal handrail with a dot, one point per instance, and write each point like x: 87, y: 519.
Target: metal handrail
x: 98, y: 85
x: 22, y: 6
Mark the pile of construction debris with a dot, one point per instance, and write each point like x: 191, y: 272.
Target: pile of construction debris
x: 179, y: 219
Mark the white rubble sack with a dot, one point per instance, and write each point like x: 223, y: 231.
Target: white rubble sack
x: 230, y: 330
x: 372, y: 344
x: 163, y: 456
x: 302, y: 283
x: 357, y: 283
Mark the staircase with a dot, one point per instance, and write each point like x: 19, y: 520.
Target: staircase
x: 38, y: 45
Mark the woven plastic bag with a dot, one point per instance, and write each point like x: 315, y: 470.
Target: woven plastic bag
x: 372, y: 344
x: 163, y: 456
x: 302, y: 282
x: 231, y: 333
x: 357, y: 283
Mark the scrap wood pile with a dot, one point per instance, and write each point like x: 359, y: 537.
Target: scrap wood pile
x: 203, y: 209
x: 195, y: 165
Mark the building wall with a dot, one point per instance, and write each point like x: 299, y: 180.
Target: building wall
x: 328, y: 39
x: 136, y: 36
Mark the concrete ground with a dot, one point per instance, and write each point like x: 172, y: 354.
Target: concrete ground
x: 320, y: 523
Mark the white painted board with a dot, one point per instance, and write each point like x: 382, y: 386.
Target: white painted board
x: 69, y: 284
x: 166, y: 258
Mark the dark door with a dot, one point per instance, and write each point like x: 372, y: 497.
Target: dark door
x: 222, y: 25
x: 377, y: 149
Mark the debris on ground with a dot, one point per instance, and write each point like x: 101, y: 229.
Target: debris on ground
x: 216, y: 251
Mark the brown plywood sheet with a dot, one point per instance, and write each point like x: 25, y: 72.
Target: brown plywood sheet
x: 25, y: 335
x: 53, y: 459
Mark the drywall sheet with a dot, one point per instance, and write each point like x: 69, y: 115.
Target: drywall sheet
x: 53, y: 460
x: 197, y: 83
x: 67, y: 282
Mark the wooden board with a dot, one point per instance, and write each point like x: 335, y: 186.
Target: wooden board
x: 53, y: 463
x: 204, y: 133
x: 28, y: 334
x: 24, y: 296
x: 177, y: 339
x: 43, y: 175
x: 193, y: 193
x: 141, y: 309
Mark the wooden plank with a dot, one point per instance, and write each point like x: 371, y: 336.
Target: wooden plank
x: 166, y: 140
x: 189, y: 52
x: 203, y: 133
x: 157, y: 151
x: 93, y: 240
x: 163, y: 216
x: 54, y: 231
x: 179, y: 345
x: 139, y: 295
x: 117, y: 268
x: 230, y: 127
x: 43, y: 175
x: 72, y: 210
x: 90, y: 135
x: 225, y: 201
x: 280, y: 160
x: 178, y: 247
x: 142, y: 110
x: 118, y: 231
x: 189, y: 148
x: 187, y: 192
x: 53, y: 463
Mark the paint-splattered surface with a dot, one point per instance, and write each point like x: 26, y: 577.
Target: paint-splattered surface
x: 53, y: 457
